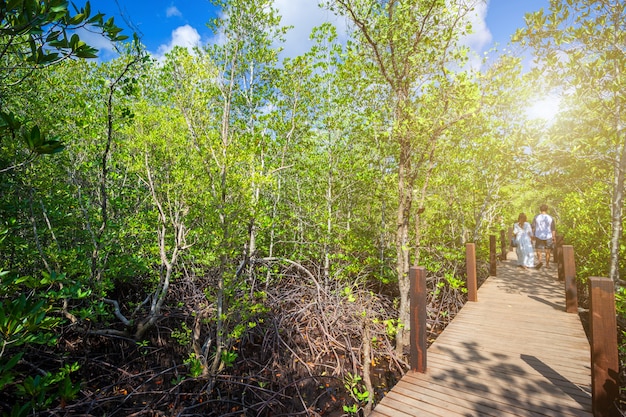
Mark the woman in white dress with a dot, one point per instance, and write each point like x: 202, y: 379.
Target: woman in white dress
x: 523, y: 234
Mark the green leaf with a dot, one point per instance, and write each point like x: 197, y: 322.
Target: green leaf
x: 49, y: 147
x: 77, y: 19
x: 86, y: 52
x: 11, y: 363
x: 60, y: 8
x: 74, y: 40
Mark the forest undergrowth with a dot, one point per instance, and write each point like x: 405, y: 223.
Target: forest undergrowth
x: 305, y: 353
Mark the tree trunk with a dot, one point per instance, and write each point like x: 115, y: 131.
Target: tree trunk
x: 617, y: 209
x: 367, y: 366
x: 405, y: 200
x: 329, y: 224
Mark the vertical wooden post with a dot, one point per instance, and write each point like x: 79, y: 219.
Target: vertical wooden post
x: 503, y: 245
x: 569, y: 273
x: 470, y: 260
x: 604, y: 357
x: 558, y: 257
x: 418, y: 330
x: 492, y: 255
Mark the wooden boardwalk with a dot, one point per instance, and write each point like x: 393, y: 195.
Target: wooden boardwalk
x: 515, y: 352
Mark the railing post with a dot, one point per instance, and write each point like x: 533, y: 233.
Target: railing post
x: 604, y: 357
x: 418, y: 330
x: 569, y: 273
x: 492, y: 255
x: 470, y: 261
x: 558, y: 257
x: 503, y: 245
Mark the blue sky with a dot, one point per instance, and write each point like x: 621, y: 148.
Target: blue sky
x: 163, y: 24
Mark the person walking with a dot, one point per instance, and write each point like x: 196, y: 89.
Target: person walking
x: 523, y: 235
x: 544, y: 231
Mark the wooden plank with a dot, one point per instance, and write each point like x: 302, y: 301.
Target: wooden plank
x: 511, y: 399
x: 517, y: 385
x: 516, y: 344
x: 514, y: 353
x: 416, y: 401
x: 489, y: 341
x: 525, y: 367
x: 387, y: 410
x: 466, y: 323
x: 449, y: 402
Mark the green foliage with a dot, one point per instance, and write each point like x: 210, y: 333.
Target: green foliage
x: 586, y: 219
x: 298, y: 161
x: 348, y: 294
x: 579, y: 48
x: 392, y: 326
x: 143, y: 346
x: 620, y: 301
x: 352, y: 409
x: 229, y: 357
x: 37, y: 143
x: 243, y: 313
x: 352, y: 383
x: 42, y: 30
x: 194, y: 364
x: 25, y: 320
x: 182, y: 336
x: 40, y: 392
x: 37, y: 34
x: 21, y: 319
x: 454, y: 283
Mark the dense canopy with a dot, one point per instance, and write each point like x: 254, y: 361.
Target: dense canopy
x: 226, y: 230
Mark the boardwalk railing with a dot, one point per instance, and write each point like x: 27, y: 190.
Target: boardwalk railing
x: 604, y: 358
x: 602, y: 319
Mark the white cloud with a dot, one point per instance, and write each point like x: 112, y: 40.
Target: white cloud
x: 185, y: 36
x: 173, y: 11
x: 93, y: 37
x: 97, y: 40
x: 304, y: 15
x: 480, y: 35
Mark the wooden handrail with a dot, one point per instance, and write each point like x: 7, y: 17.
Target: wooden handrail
x: 558, y: 256
x: 604, y: 356
x: 603, y: 322
x: 603, y: 330
x: 470, y: 261
x: 492, y: 255
x: 569, y: 273
x: 504, y: 244
x: 418, y: 329
x: 418, y: 301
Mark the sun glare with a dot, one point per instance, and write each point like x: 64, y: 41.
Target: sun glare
x: 544, y: 108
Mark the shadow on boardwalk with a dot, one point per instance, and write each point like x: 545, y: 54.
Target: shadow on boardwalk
x: 515, y: 352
